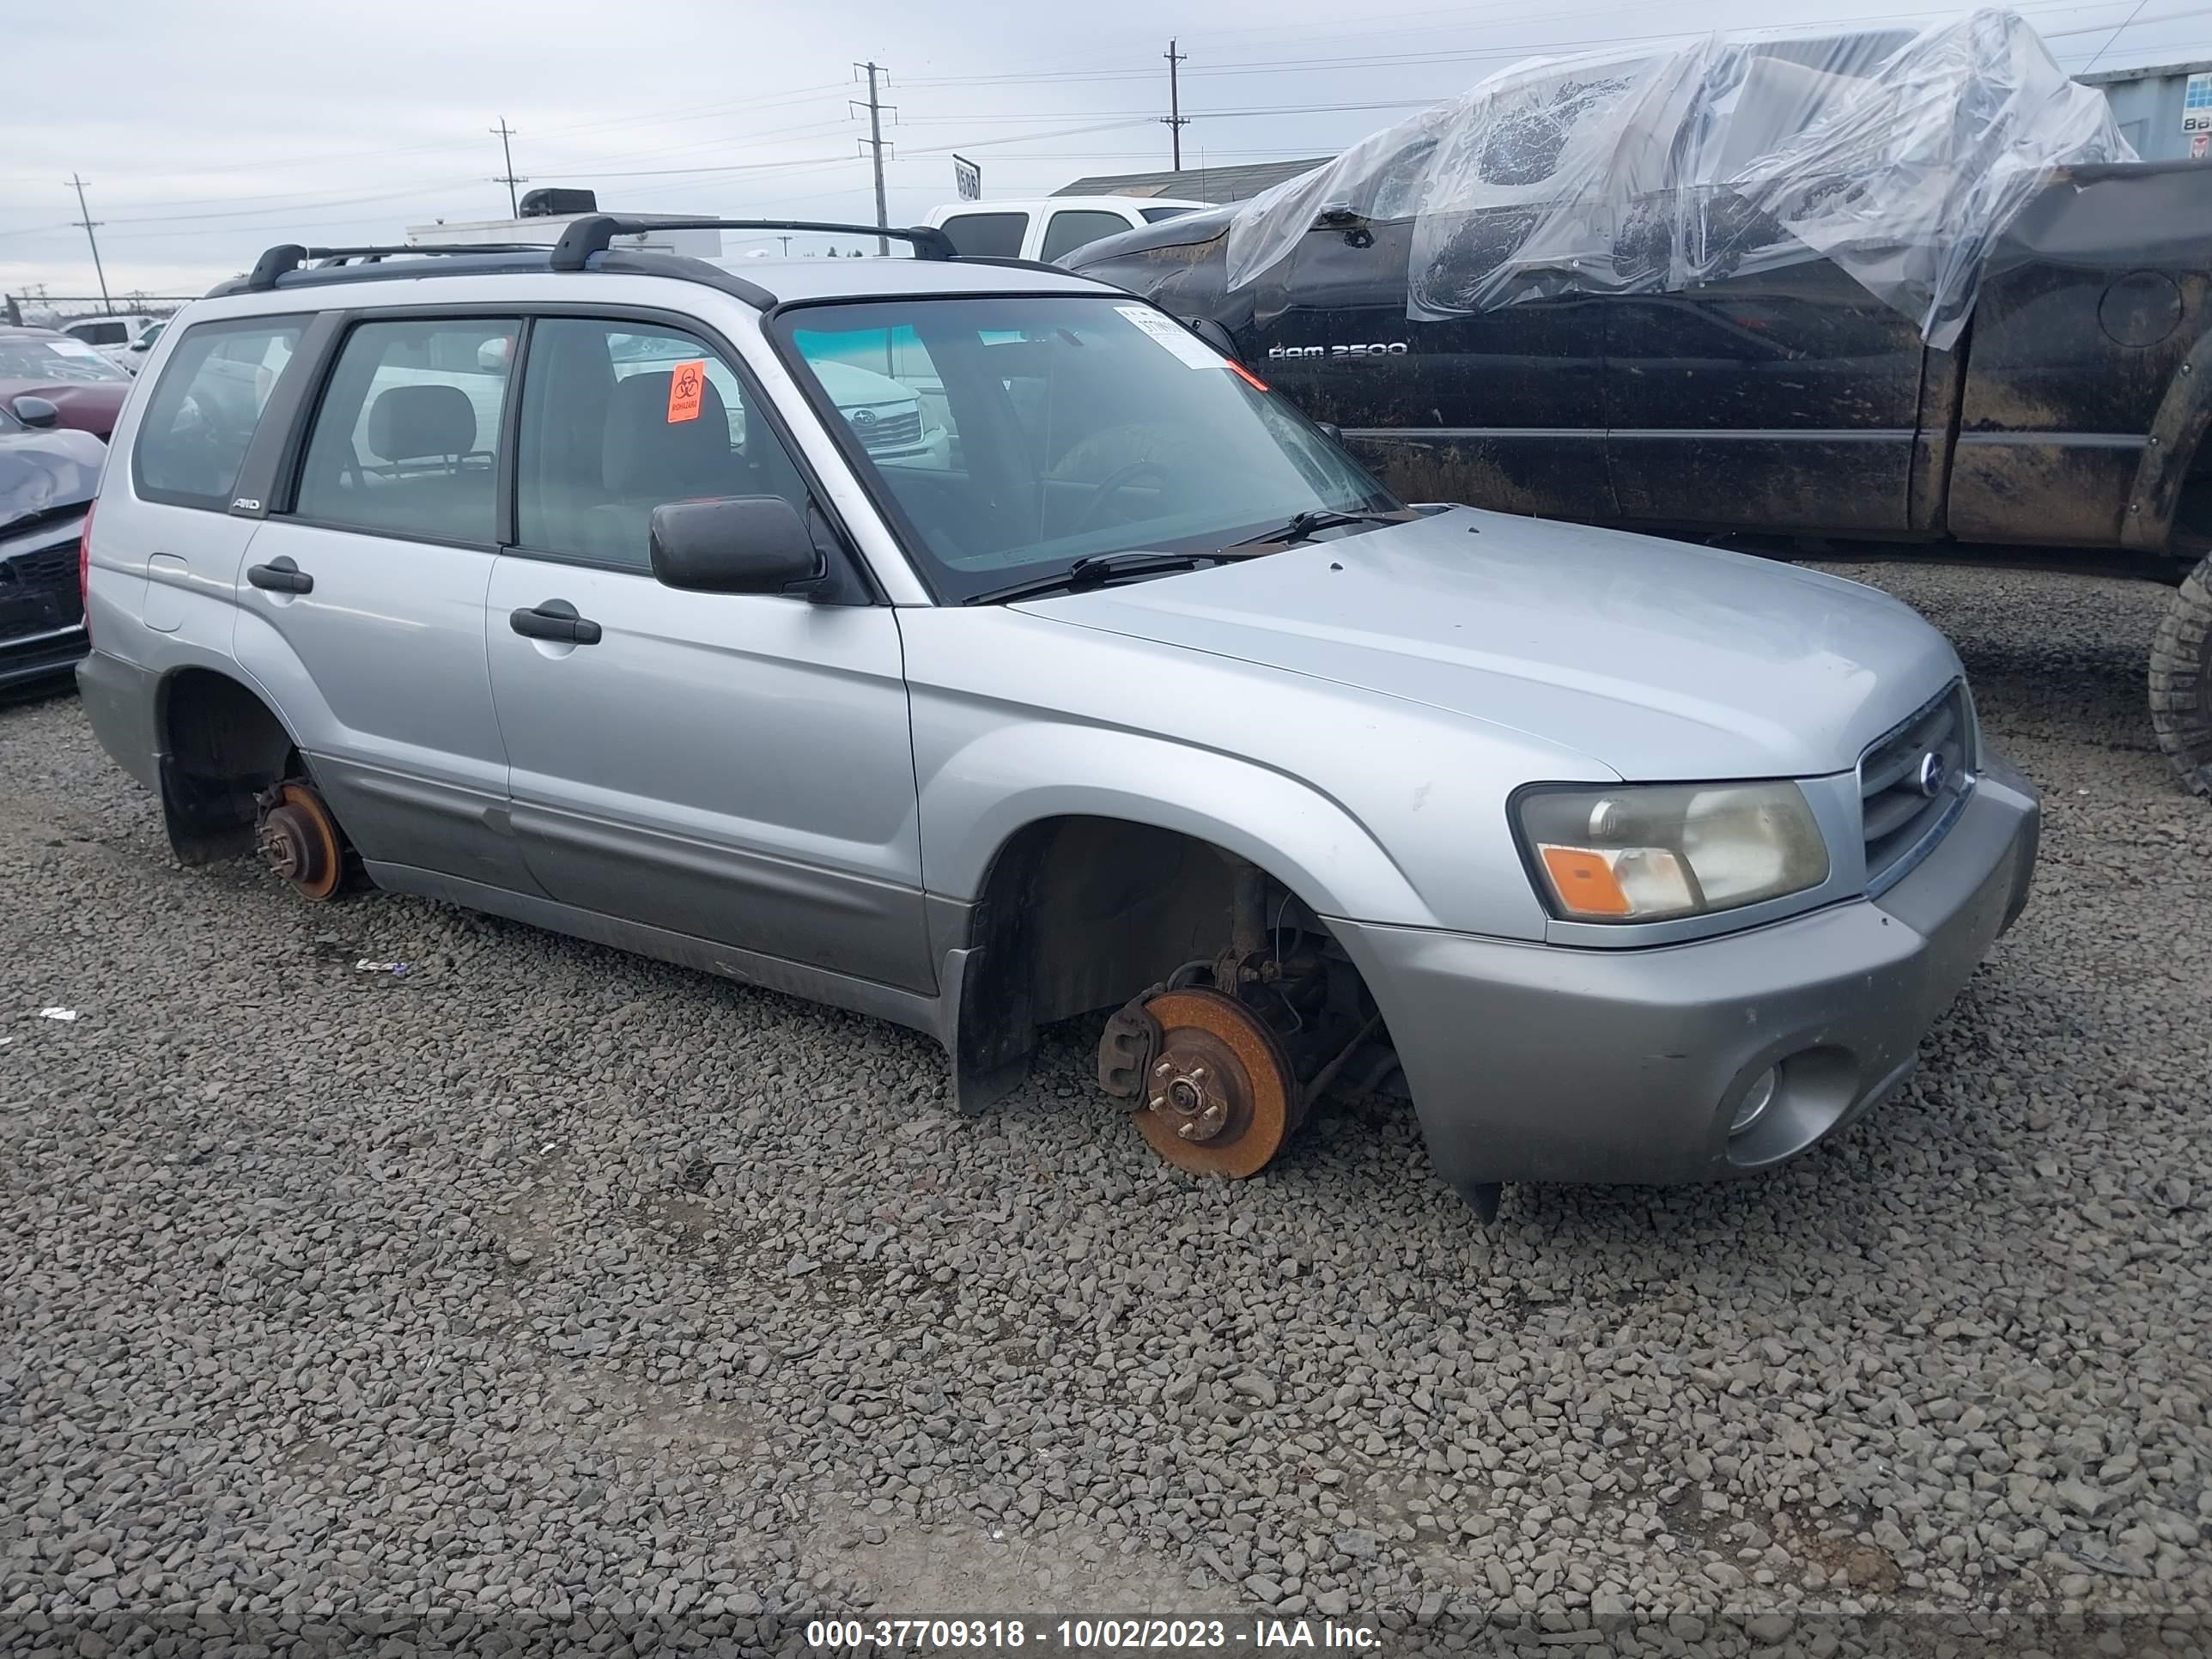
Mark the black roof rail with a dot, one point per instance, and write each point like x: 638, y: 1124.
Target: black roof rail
x: 1012, y: 264
x: 290, y: 256
x: 596, y: 234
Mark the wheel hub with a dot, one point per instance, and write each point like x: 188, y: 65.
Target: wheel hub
x: 1219, y: 1099
x: 298, y: 840
x: 1186, y: 1088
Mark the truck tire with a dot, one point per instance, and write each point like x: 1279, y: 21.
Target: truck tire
x: 2181, y: 679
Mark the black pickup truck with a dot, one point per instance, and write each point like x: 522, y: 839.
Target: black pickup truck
x: 2069, y: 413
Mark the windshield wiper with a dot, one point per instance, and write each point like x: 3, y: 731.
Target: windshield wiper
x: 1094, y: 571
x: 1302, y: 527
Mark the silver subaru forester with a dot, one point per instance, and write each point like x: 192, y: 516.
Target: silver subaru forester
x: 973, y: 646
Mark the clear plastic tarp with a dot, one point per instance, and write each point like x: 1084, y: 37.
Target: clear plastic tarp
x: 1900, y: 156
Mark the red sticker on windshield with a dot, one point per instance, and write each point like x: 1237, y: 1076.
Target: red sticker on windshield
x: 686, y: 386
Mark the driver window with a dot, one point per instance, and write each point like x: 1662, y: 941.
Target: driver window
x: 618, y: 418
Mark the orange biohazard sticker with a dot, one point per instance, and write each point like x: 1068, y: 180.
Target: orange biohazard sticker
x: 686, y: 386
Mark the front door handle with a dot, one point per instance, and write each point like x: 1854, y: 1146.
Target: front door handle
x: 555, y: 619
x: 280, y: 575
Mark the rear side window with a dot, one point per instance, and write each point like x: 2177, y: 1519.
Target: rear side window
x: 407, y: 438
x: 988, y: 235
x: 101, y: 333
x: 1071, y: 230
x: 203, y: 412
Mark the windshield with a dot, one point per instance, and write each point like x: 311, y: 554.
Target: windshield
x: 1057, y: 428
x: 50, y: 361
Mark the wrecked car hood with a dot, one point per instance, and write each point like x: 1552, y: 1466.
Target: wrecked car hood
x: 42, y: 470
x: 1659, y: 660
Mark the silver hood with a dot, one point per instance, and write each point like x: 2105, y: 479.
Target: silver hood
x: 1657, y: 659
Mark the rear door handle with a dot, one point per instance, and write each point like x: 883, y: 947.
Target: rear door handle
x: 555, y: 619
x: 280, y: 575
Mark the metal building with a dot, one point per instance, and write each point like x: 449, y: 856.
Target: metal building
x: 1194, y: 184
x: 2164, y: 109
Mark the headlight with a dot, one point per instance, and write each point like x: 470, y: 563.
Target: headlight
x: 1647, y: 852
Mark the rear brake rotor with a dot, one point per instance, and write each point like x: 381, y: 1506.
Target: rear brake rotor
x: 298, y: 840
x: 1220, y: 1098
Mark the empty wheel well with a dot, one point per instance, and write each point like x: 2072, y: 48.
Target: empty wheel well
x: 1081, y: 913
x: 220, y: 747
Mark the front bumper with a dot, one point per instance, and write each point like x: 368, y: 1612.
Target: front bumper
x: 27, y: 660
x: 1535, y: 1062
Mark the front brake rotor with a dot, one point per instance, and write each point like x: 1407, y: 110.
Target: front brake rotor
x: 1220, y: 1098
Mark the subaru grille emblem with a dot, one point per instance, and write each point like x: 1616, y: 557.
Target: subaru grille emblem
x: 1933, y: 774
x: 864, y: 418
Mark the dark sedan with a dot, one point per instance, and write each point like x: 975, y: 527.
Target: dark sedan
x: 48, y: 476
x: 68, y: 373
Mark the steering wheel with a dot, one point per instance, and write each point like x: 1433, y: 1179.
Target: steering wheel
x: 1112, y: 485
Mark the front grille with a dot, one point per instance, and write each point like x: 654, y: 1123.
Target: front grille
x: 39, y: 591
x: 887, y: 429
x: 1910, y: 782
x: 48, y: 565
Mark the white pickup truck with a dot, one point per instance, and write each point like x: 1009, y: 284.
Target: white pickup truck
x: 1048, y: 228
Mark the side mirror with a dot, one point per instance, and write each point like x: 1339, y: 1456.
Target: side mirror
x: 733, y: 544
x: 1332, y: 431
x: 36, y: 411
x: 1338, y: 216
x: 1215, y: 335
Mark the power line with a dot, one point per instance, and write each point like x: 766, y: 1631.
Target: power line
x: 503, y: 132
x: 89, y: 224
x: 874, y: 142
x: 1175, y: 120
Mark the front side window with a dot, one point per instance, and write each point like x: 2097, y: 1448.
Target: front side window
x: 618, y: 418
x: 1072, y: 229
x: 407, y: 438
x: 58, y: 359
x: 1077, y: 427
x: 203, y: 412
x: 986, y: 235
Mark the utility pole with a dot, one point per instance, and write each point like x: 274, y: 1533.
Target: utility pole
x: 503, y: 132
x: 1175, y: 120
x: 91, y: 224
x: 874, y: 141
x: 785, y: 240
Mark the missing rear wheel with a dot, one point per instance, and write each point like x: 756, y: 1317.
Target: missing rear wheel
x: 299, y: 841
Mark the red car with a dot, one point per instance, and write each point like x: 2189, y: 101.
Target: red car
x: 77, y: 380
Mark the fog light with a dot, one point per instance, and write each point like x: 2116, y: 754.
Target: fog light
x: 1756, y: 1099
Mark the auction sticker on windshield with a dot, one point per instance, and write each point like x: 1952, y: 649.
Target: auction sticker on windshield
x: 1184, y: 344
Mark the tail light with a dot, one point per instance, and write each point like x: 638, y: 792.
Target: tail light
x: 84, y: 571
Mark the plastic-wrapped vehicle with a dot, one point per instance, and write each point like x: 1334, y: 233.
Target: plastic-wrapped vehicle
x: 1888, y: 285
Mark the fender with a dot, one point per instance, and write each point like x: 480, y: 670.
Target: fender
x: 988, y: 790
x: 2175, y: 432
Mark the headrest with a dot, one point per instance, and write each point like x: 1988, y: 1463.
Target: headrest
x: 647, y: 454
x: 407, y: 422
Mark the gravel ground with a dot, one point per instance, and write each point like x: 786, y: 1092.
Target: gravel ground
x: 542, y: 1289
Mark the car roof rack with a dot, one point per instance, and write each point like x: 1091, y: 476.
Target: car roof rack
x: 588, y: 237
x: 596, y: 233
x: 290, y: 256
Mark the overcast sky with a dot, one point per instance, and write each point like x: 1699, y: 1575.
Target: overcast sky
x: 207, y: 131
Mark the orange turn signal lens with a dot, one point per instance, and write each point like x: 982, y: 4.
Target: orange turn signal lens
x: 1246, y: 375
x: 1585, y: 882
